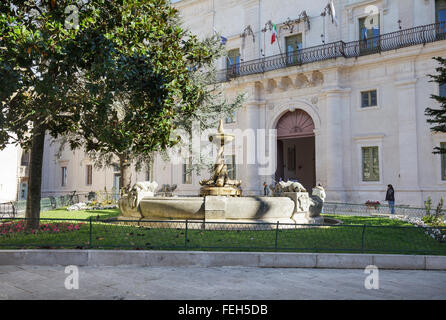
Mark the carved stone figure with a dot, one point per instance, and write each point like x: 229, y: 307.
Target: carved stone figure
x: 139, y: 191
x: 319, y: 191
x: 317, y: 202
x: 291, y: 186
x: 168, y: 188
x: 303, y: 202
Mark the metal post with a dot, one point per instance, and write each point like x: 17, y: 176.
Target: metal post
x: 277, y: 235
x: 363, y: 236
x: 423, y: 36
x: 185, y: 234
x: 91, y: 232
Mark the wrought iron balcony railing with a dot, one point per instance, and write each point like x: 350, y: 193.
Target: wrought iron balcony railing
x: 385, y: 42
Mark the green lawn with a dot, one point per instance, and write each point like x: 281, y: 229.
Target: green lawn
x: 63, y: 213
x: 379, y: 235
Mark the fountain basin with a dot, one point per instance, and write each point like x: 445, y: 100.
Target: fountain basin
x: 268, y: 209
x: 172, y: 208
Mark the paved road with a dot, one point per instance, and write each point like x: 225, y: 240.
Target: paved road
x: 226, y: 283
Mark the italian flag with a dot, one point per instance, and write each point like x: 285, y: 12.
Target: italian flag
x: 274, y: 35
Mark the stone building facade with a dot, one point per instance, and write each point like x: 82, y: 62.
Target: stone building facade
x: 345, y: 90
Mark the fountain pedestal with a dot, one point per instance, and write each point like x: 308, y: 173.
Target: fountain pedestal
x: 220, y: 184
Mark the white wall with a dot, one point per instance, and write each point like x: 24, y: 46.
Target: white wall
x: 9, y: 166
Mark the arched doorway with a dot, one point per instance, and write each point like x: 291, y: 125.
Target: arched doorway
x: 296, y: 158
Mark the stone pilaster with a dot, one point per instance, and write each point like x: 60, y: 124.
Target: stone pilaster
x: 334, y: 144
x: 251, y: 183
x: 407, y: 136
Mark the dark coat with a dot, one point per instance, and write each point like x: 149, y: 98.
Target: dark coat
x: 390, y: 195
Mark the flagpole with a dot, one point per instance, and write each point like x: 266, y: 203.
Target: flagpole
x: 324, y: 29
x: 278, y: 42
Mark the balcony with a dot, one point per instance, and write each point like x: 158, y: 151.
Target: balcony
x: 385, y: 42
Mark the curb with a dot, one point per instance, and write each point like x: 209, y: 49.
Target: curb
x: 219, y: 259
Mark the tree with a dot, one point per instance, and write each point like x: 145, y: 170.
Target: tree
x: 437, y: 117
x: 159, y: 78
x: 37, y: 72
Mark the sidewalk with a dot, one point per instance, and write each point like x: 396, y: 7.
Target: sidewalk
x: 226, y: 283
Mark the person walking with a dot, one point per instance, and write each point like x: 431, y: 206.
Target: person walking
x: 390, y: 197
x: 265, y: 189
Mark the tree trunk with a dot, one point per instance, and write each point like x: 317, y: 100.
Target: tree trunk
x: 126, y: 174
x: 32, y: 214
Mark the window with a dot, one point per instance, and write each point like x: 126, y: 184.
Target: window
x: 233, y: 61
x: 231, y: 118
x: 443, y: 90
x: 368, y: 99
x: 440, y: 17
x: 293, y: 48
x: 64, y: 176
x: 187, y: 171
x: 25, y: 159
x: 370, y: 164
x: 443, y: 161
x: 89, y: 175
x: 369, y: 32
x: 440, y: 10
x: 231, y: 166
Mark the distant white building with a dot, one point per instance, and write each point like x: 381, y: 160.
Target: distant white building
x: 13, y: 174
x: 346, y: 93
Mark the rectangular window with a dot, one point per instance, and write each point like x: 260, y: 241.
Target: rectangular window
x: 89, y: 174
x: 231, y: 166
x: 231, y: 118
x: 233, y: 57
x: 370, y: 164
x: 64, y: 176
x: 443, y: 161
x: 369, y: 99
x: 440, y: 17
x: 294, y: 48
x: 187, y: 171
x: 25, y: 159
x: 233, y: 61
x: 443, y: 90
x: 440, y: 10
x: 369, y: 32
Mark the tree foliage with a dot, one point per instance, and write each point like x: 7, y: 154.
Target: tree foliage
x: 158, y: 78
x: 437, y: 117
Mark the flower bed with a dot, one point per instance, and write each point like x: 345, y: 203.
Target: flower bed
x: 19, y: 227
x: 92, y: 205
x: 432, y: 231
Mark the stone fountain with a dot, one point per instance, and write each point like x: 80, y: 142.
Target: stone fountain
x: 221, y: 199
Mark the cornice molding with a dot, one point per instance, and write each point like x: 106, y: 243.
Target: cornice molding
x: 374, y: 136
